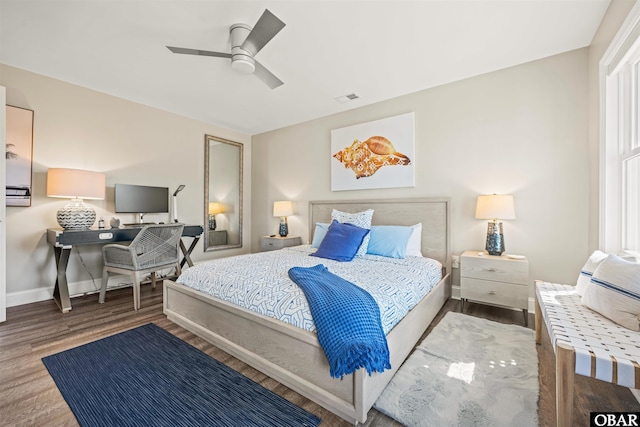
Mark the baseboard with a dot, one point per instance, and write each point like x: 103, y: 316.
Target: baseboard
x: 84, y: 287
x: 455, y: 292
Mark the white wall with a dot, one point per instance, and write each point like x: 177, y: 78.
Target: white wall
x: 522, y: 131
x: 134, y: 144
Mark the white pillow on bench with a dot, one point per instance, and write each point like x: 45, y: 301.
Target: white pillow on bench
x: 587, y: 270
x: 614, y: 291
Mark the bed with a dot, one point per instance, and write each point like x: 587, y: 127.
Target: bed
x: 292, y: 355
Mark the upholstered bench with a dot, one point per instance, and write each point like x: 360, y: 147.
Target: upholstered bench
x: 585, y: 343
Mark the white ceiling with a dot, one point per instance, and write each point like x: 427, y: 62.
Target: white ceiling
x: 378, y: 49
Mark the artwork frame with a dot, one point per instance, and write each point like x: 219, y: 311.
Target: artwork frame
x: 19, y: 156
x: 373, y: 155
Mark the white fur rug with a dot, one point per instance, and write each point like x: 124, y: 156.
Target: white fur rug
x: 467, y: 372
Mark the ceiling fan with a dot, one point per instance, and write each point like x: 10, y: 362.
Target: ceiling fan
x: 246, y: 42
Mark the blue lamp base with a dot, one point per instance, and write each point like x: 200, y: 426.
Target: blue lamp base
x: 284, y: 228
x: 495, y: 238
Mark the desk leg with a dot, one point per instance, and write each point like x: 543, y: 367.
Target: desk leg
x: 187, y: 252
x: 61, y: 290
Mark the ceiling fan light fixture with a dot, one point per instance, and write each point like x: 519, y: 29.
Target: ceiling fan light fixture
x: 243, y: 63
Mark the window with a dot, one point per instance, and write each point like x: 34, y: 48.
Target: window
x: 620, y: 139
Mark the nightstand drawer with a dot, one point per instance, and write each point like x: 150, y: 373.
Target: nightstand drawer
x: 498, y: 293
x: 275, y: 243
x: 498, y: 269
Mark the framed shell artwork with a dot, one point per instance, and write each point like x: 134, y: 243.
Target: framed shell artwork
x: 377, y: 154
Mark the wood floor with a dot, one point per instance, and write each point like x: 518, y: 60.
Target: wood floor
x: 29, y: 397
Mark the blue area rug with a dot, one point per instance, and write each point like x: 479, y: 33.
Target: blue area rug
x: 149, y: 377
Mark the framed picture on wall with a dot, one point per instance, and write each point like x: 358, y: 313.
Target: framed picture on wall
x: 377, y: 154
x: 18, y: 155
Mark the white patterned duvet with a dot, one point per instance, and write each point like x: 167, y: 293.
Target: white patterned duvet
x: 259, y: 282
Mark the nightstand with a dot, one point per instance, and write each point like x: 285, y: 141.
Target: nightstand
x: 494, y: 280
x: 217, y: 237
x: 274, y: 243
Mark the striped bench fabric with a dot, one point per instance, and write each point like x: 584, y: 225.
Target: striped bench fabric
x: 585, y: 343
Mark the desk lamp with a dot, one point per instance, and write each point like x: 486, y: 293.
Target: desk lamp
x: 283, y: 210
x: 495, y: 207
x: 75, y: 184
x: 174, y: 210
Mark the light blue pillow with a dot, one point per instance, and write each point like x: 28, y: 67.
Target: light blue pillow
x: 319, y: 233
x: 389, y: 240
x: 341, y: 242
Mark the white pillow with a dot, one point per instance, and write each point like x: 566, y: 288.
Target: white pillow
x: 587, y: 270
x: 584, y: 278
x: 359, y: 219
x: 414, y: 245
x: 615, y: 292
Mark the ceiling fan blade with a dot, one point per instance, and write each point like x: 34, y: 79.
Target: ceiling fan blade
x: 198, y: 52
x: 265, y: 29
x: 267, y: 76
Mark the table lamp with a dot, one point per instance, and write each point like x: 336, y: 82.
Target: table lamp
x: 214, y: 209
x: 77, y: 185
x: 283, y: 209
x: 495, y: 207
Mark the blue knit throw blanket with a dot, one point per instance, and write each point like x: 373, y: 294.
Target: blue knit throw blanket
x: 347, y: 320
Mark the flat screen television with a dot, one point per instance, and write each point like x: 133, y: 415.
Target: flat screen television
x: 141, y: 199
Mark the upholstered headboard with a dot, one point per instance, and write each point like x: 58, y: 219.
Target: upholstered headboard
x: 433, y: 213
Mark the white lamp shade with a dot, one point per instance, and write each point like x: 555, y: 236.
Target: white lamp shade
x: 215, y: 208
x: 495, y: 206
x: 284, y: 208
x: 75, y: 183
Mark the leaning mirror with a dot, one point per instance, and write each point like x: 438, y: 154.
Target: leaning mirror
x: 222, y: 194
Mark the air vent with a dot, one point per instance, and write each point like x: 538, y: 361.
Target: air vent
x: 347, y: 98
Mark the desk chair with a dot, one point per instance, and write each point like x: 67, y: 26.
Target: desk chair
x: 154, y: 248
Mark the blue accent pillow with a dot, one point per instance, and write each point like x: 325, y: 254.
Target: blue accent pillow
x: 389, y: 240
x: 361, y: 219
x: 319, y: 233
x: 341, y: 241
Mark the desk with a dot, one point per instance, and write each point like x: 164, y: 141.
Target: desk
x: 64, y: 240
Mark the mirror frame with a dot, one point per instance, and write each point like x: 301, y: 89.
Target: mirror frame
x: 207, y: 173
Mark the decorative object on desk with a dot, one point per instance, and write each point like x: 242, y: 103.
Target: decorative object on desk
x: 283, y: 209
x: 18, y: 156
x: 495, y: 207
x: 214, y: 209
x: 101, y: 223
x: 174, y: 208
x: 77, y: 185
x: 114, y: 222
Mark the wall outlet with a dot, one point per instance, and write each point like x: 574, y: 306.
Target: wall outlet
x: 455, y: 261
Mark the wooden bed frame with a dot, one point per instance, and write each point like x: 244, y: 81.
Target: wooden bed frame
x: 293, y: 356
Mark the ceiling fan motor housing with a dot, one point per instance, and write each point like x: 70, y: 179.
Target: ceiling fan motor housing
x: 241, y: 60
